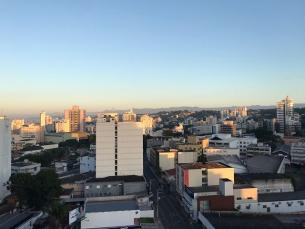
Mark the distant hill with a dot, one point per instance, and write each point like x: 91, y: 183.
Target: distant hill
x: 151, y: 110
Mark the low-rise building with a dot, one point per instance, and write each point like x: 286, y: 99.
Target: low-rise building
x: 221, y: 151
x: 31, y: 150
x: 87, y: 164
x: 265, y: 182
x: 25, y: 167
x: 232, y: 161
x: 114, y: 186
x: 298, y: 153
x: 266, y: 164
x: 256, y: 149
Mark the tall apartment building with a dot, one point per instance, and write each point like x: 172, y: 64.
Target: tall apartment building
x: 212, y: 120
x: 119, y: 146
x: 49, y: 120
x: 43, y: 120
x: 17, y: 123
x: 284, y: 112
x: 147, y: 122
x: 228, y: 127
x: 5, y: 155
x: 62, y: 125
x: 224, y: 114
x: 129, y: 116
x: 77, y: 118
x: 32, y: 131
x: 239, y: 111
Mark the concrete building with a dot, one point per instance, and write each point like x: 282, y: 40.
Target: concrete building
x: 298, y: 153
x: 119, y: 147
x: 25, y: 167
x: 43, y: 120
x: 62, y: 125
x: 87, y: 164
x: 228, y: 127
x: 17, y: 220
x: 5, y: 155
x: 77, y: 118
x: 166, y: 158
x: 284, y: 112
x: 31, y: 150
x: 211, y: 120
x: 265, y: 182
x: 221, y: 151
x: 147, y: 122
x: 114, y: 186
x: 256, y: 149
x: 17, y: 124
x: 129, y: 116
x: 32, y: 131
x: 116, y: 212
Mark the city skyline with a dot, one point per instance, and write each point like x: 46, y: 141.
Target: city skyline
x: 104, y: 55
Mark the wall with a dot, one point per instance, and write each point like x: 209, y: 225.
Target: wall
x: 187, y: 157
x: 96, y: 189
x: 215, y: 174
x: 110, y: 219
x: 5, y: 155
x: 244, y: 194
x: 167, y: 160
x: 276, y: 206
x: 194, y: 177
x: 87, y: 164
x: 269, y: 186
x: 78, y: 188
x: 147, y: 214
x: 132, y: 187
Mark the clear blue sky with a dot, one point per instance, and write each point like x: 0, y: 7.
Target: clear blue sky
x: 121, y: 54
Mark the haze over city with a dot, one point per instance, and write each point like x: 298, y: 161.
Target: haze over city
x: 104, y: 54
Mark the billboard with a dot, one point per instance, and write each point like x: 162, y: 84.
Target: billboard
x: 77, y: 213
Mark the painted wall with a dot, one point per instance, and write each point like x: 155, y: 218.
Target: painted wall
x: 247, y: 195
x: 194, y: 177
x: 215, y: 174
x: 167, y: 160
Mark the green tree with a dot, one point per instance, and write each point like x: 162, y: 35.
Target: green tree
x: 92, y: 138
x: 57, y: 210
x: 35, y: 191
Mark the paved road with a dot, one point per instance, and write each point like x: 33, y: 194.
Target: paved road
x: 171, y: 213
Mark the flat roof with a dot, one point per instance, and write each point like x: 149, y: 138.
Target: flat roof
x: 67, y: 191
x: 30, y: 148
x: 264, y: 164
x: 246, y: 178
x: 110, y: 206
x: 23, y: 164
x: 15, y: 219
x: 238, y: 220
x: 242, y: 186
x: 281, y: 196
x: 129, y: 178
x: 213, y: 188
x: 200, y: 165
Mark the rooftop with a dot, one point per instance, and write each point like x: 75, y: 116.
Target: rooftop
x: 171, y: 172
x: 282, y: 149
x: 225, y: 159
x: 213, y: 188
x: 23, y: 164
x: 237, y: 220
x: 109, y: 206
x: 281, y: 196
x: 264, y: 164
x: 200, y: 165
x: 242, y: 186
x: 130, y: 178
x: 13, y: 220
x: 67, y: 191
x: 249, y: 177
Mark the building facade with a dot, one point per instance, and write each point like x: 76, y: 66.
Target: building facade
x: 147, y: 122
x: 129, y: 116
x: 5, y: 155
x: 77, y: 118
x: 298, y: 152
x: 119, y: 146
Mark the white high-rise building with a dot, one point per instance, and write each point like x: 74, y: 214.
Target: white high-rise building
x: 119, y: 146
x: 129, y: 116
x: 17, y: 124
x: 284, y: 112
x: 147, y: 122
x: 5, y: 155
x: 77, y: 118
x: 43, y: 120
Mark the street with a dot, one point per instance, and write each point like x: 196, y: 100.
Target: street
x: 171, y: 213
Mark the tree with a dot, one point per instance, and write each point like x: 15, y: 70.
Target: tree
x: 92, y: 138
x: 57, y: 210
x: 35, y: 191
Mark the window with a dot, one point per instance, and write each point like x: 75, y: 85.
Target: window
x: 248, y: 207
x: 109, y: 185
x: 238, y: 198
x: 249, y: 198
x: 289, y: 204
x: 101, y: 194
x: 87, y: 187
x: 264, y: 206
x: 98, y: 186
x: 120, y: 185
x: 276, y: 205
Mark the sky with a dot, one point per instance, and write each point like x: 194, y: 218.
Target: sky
x: 149, y: 54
